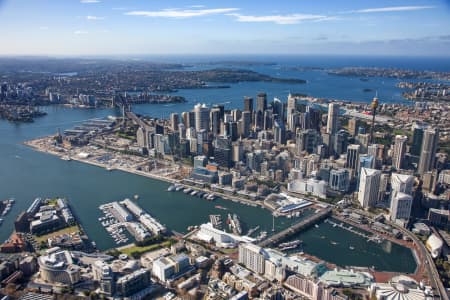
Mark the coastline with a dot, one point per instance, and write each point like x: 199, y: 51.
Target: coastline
x: 236, y: 199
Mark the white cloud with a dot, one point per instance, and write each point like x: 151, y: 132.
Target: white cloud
x: 94, y: 18
x: 90, y: 1
x: 43, y: 28
x: 181, y: 13
x: 281, y: 19
x: 80, y: 32
x: 391, y: 9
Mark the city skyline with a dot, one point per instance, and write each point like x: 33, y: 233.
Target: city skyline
x: 96, y: 27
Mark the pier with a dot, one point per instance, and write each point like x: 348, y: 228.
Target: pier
x: 370, y: 238
x: 282, y: 235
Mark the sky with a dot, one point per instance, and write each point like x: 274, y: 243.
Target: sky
x: 217, y: 27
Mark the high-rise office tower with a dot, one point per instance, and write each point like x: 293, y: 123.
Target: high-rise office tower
x: 201, y: 117
x: 261, y: 102
x: 215, y: 120
x: 237, y: 151
x: 268, y: 119
x: 417, y: 138
x: 353, y: 126
x: 279, y: 132
x: 400, y: 207
x: 339, y: 142
x: 222, y: 152
x: 261, y: 105
x: 307, y: 140
x: 353, y: 158
x: 369, y: 186
x: 399, y: 152
x: 363, y: 141
x: 246, y: 123
x: 401, y: 183
x: 428, y: 150
x: 339, y: 180
x: 248, y: 104
x: 174, y: 120
x: 291, y: 108
x: 333, y: 118
x: 279, y: 108
x: 314, y: 117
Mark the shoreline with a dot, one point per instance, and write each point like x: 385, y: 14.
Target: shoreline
x: 233, y: 198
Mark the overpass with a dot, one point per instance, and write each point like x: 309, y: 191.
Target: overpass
x: 282, y: 235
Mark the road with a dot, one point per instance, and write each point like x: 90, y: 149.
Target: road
x: 435, y: 280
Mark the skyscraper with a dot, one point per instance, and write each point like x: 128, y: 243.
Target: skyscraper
x: 398, y: 154
x: 417, y: 139
x: 352, y: 126
x: 333, y: 118
x: 246, y: 122
x: 215, y: 120
x: 248, y: 104
x: 261, y: 105
x: 174, y: 120
x: 428, y: 150
x: 201, y: 117
x: 369, y: 186
x: 401, y: 183
x: 261, y: 102
x: 291, y: 101
x: 353, y: 158
x: 400, y: 207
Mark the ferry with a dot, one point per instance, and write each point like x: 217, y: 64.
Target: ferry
x: 211, y: 197
x: 237, y: 224
x: 289, y: 245
x: 221, y: 207
x: 187, y: 190
x: 194, y: 193
x: 262, y: 235
x: 178, y: 188
x: 171, y: 188
x: 252, y: 230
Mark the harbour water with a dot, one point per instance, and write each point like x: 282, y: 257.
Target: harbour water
x: 343, y: 248
x: 26, y: 174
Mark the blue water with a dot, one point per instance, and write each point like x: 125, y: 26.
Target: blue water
x: 26, y: 174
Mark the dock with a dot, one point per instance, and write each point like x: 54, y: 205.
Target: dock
x: 370, y: 237
x: 306, y: 223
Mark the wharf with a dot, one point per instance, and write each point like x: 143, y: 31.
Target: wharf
x: 282, y: 235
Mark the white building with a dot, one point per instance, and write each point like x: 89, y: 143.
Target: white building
x: 221, y: 238
x: 333, y: 118
x: 401, y: 183
x: 399, y: 151
x: 434, y: 244
x: 401, y: 205
x: 369, y: 187
x: 201, y: 117
x: 311, y: 186
x: 253, y: 257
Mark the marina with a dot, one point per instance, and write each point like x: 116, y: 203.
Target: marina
x: 369, y: 237
x: 191, y: 191
x: 5, y: 207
